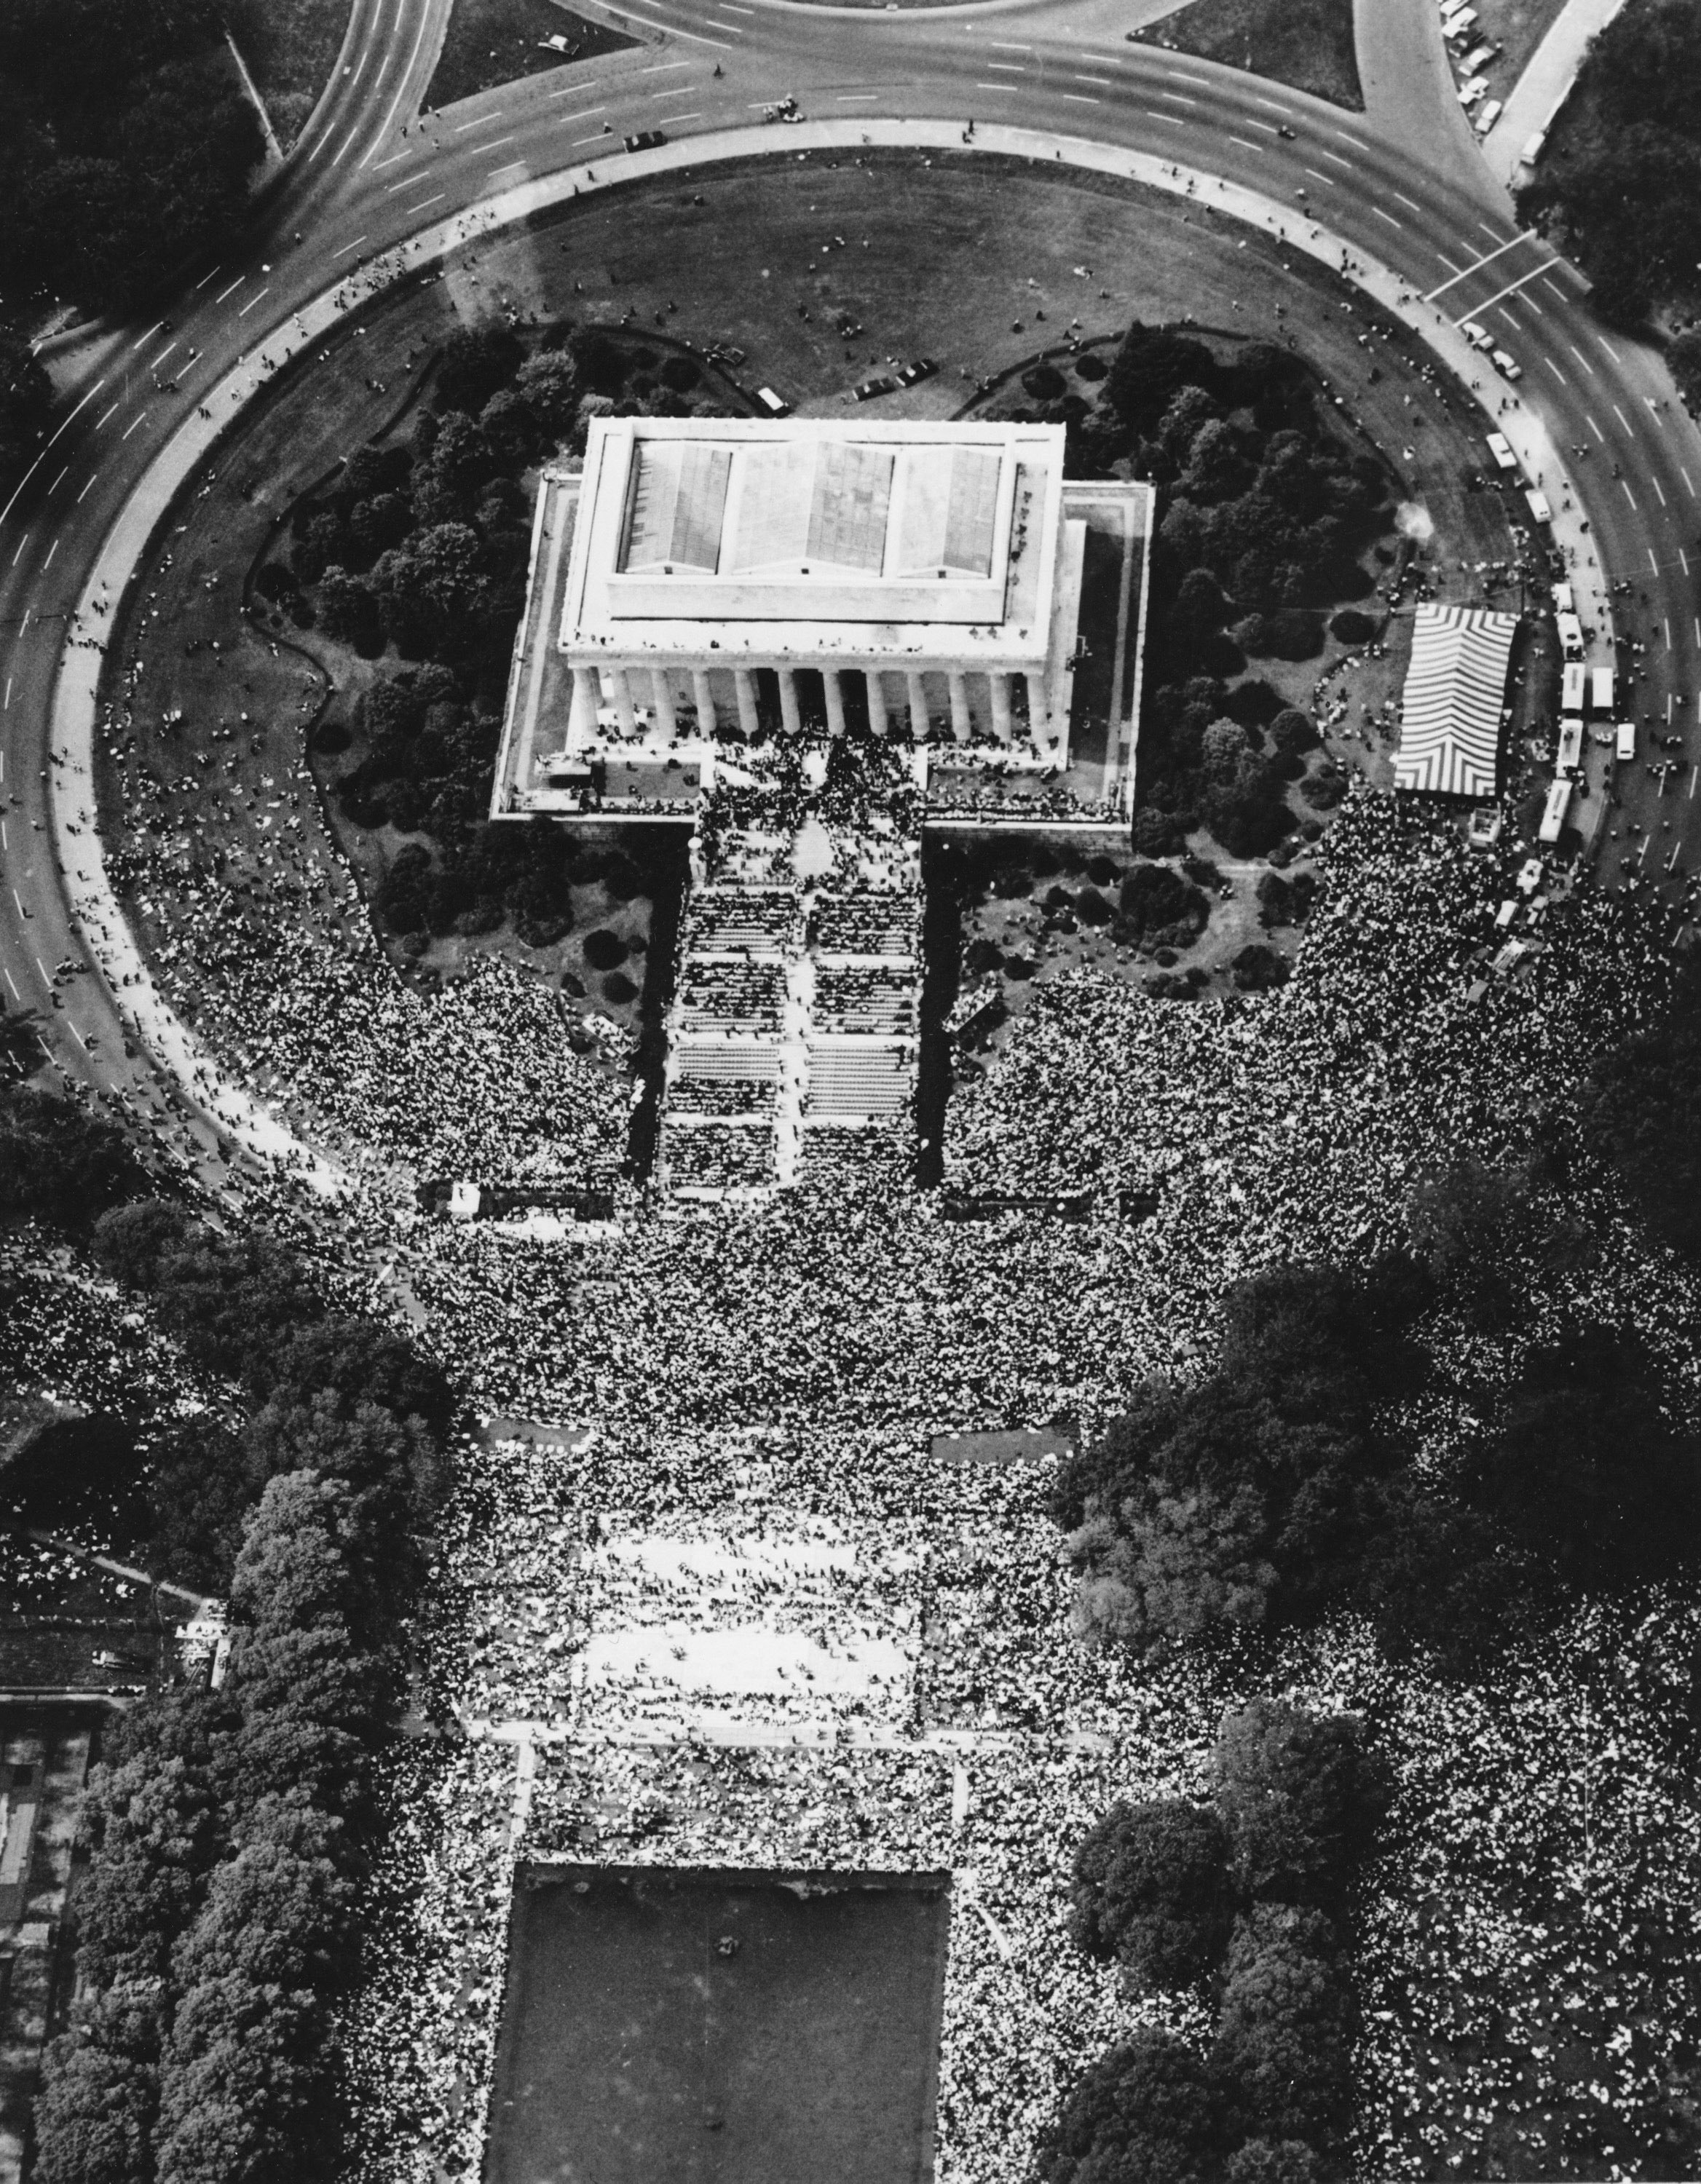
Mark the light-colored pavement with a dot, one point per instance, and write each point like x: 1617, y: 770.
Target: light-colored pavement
x: 1544, y: 87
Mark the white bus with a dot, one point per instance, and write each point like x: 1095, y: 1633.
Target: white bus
x: 1554, y: 814
x: 1574, y: 682
x: 1570, y: 745
x: 1601, y: 693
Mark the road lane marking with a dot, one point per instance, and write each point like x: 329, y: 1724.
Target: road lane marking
x: 1631, y: 499
x: 1554, y: 289
x: 1445, y: 261
x: 480, y: 121
x: 1556, y: 371
x: 162, y: 355
x: 13, y: 984
x: 343, y: 150
x: 232, y: 290
x: 107, y: 416
x: 517, y: 167
x: 1176, y: 120
x: 1522, y: 280
x: 205, y: 278
x: 663, y: 68
x: 1410, y: 204
x: 1487, y: 258
x: 1388, y: 216
x: 82, y: 405
x: 1008, y: 67
x: 1182, y: 76
x: 586, y: 114
x: 1324, y: 153
x: 1179, y: 96
x: 602, y: 136
x: 572, y: 90
x: 251, y: 301
x: 1582, y: 360
x: 856, y: 98
x: 49, y: 563
x: 22, y: 912
x: 1274, y: 105
x: 674, y: 119
x: 1008, y: 46
x: 1329, y: 179
x: 1655, y: 482
x: 347, y: 247
x: 1687, y: 481
x: 1246, y: 143
x: 407, y: 182
x: 84, y: 494
x: 428, y: 16
x: 406, y: 152
x: 1104, y: 82
x: 408, y: 211
x: 1492, y: 231
x: 495, y: 145
x: 661, y: 22
x: 148, y: 337
x: 1079, y: 98
x: 54, y: 487
x: 1622, y: 418
x: 1609, y: 349
x: 7, y: 708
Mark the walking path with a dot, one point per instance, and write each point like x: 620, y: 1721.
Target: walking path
x: 1544, y: 87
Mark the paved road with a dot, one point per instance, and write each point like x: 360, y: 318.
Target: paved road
x: 369, y: 176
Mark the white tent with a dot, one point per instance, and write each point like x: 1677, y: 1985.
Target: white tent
x: 1455, y: 686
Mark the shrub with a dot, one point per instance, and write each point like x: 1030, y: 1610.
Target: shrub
x: 1350, y: 626
x: 619, y: 988
x: 681, y: 374
x: 1044, y: 381
x: 1089, y: 365
x: 1155, y: 833
x: 1254, y: 705
x: 1293, y: 633
x: 1258, y: 967
x: 1292, y: 732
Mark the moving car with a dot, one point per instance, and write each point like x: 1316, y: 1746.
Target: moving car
x: 1501, y: 448
x: 1627, y: 739
x: 1508, y: 367
x: 1478, y: 336
x: 644, y: 139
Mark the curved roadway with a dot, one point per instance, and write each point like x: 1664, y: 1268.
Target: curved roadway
x: 368, y: 175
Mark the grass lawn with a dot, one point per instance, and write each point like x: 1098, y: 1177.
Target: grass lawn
x: 291, y: 47
x: 703, y: 2026
x: 1517, y: 27
x: 492, y: 41
x: 1306, y: 43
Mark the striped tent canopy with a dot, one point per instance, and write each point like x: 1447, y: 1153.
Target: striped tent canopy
x: 1455, y: 686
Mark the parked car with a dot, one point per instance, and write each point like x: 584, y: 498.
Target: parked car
x: 775, y: 405
x: 912, y: 374
x: 1508, y: 367
x: 872, y: 388
x: 1478, y: 336
x: 644, y: 139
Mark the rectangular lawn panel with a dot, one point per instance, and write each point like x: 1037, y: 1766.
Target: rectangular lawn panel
x: 704, y: 2026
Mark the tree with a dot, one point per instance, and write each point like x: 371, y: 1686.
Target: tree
x: 1144, y: 2113
x: 346, y: 609
x: 1273, y: 2161
x: 1289, y: 1791
x: 1151, y: 1888
x: 1283, y: 2048
x: 247, y: 2089
x: 279, y: 1912
x: 1151, y: 366
x: 474, y: 363
x: 1585, y: 1470
x: 1683, y: 357
x: 95, y: 2116
x: 58, y: 1163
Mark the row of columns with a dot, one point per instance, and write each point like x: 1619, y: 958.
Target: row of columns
x: 587, y: 691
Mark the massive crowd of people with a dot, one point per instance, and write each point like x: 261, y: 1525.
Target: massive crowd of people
x: 756, y: 1378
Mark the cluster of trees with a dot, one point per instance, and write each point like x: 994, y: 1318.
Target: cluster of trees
x: 1264, y: 515
x: 1269, y: 1493
x: 1247, y: 1896
x: 128, y: 145
x: 230, y: 1830
x: 1624, y: 188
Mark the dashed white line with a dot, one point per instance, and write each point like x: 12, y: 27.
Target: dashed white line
x: 1655, y: 482
x: 483, y: 121
x: 1246, y: 143
x: 1594, y: 428
x: 1324, y: 153
x: 162, y: 355
x: 1411, y: 204
x: 1631, y: 499
x: 1182, y: 76
x: 347, y: 247
x: 673, y: 119
x: 6, y: 708
x: 406, y: 152
x: 49, y: 563
x: 54, y: 487
x: 1622, y: 418
x: 251, y: 301
x: 141, y: 420
x: 1079, y: 98
x: 513, y: 167
x: 205, y: 278
x: 1274, y: 105
x: 84, y: 494
x: 1316, y: 176
x: 1007, y: 67
x: 856, y: 98
x: 407, y: 182
x: 579, y: 142
x: 1176, y: 120
x: 232, y: 290
x: 1008, y: 46
x: 1104, y: 82
x: 1610, y: 350
x: 660, y: 21
x: 408, y: 211
x: 1179, y: 96
x: 572, y: 90
x: 18, y: 900
x: 1582, y: 360
x: 110, y: 413
x: 585, y: 114
x: 1554, y: 288
x: 663, y: 68
x: 150, y: 334
x: 1556, y: 371
x: 1687, y: 480
x: 1388, y: 216
x: 494, y: 145
x: 22, y: 544
x: 13, y: 984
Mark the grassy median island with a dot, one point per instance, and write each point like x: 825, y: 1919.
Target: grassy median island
x: 1306, y: 43
x: 290, y: 48
x: 492, y: 41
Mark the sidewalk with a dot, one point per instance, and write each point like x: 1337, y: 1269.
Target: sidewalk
x: 1544, y: 85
